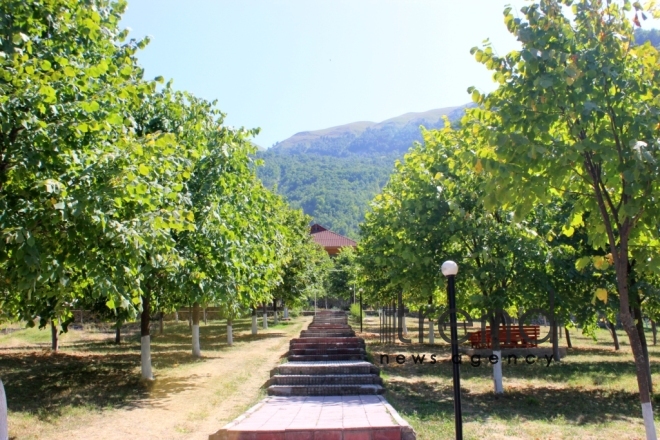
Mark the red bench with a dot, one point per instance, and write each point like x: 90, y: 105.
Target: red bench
x: 511, y: 337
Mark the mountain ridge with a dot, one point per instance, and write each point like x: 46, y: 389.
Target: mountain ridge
x: 333, y: 173
x: 345, y: 134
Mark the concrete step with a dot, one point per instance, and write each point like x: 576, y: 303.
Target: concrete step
x: 326, y: 351
x: 326, y: 368
x: 329, y: 340
x: 301, y: 346
x: 326, y: 379
x: 326, y: 357
x: 324, y: 390
x: 327, y: 334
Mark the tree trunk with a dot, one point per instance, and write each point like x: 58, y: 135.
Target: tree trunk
x: 615, y: 338
x: 145, y: 340
x: 4, y: 424
x: 498, y: 384
x: 176, y: 316
x: 230, y: 333
x: 639, y: 325
x: 568, y: 338
x: 196, y: 350
x: 265, y: 318
x: 641, y: 361
x: 54, y: 337
x: 118, y: 334
x: 254, y: 321
x: 274, y: 312
x: 285, y: 314
x: 431, y: 332
x: 189, y: 317
x: 654, y: 330
x: 554, y: 328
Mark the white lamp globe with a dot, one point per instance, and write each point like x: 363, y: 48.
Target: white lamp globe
x: 449, y: 268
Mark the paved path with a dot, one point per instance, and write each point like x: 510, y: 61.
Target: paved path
x: 329, y: 392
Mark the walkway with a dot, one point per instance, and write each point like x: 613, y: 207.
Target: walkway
x: 327, y: 391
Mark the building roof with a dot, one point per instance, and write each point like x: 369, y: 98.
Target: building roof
x: 331, y: 239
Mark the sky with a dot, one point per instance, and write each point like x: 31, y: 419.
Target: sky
x: 296, y: 65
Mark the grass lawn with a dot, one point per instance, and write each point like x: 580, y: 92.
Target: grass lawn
x: 92, y: 382
x: 590, y: 394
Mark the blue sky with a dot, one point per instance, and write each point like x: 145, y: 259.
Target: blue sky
x: 295, y: 65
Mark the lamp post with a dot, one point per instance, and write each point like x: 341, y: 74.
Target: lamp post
x: 450, y: 269
x: 361, y: 309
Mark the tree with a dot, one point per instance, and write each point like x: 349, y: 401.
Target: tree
x: 576, y: 113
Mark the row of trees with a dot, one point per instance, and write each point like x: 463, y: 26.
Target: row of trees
x: 547, y: 191
x: 122, y: 191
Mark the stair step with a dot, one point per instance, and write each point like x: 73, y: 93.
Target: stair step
x: 326, y: 357
x: 325, y: 334
x: 323, y: 390
x: 326, y: 351
x: 330, y: 340
x: 326, y: 368
x: 326, y: 379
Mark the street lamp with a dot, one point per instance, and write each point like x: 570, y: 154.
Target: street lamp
x: 450, y: 269
x: 361, y: 309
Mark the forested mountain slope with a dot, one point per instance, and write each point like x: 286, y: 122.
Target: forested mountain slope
x: 334, y: 173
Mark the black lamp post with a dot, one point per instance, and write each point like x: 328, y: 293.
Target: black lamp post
x: 450, y: 269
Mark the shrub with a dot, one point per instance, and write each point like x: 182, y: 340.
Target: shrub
x: 355, y: 311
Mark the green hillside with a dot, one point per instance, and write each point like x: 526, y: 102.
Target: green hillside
x: 334, y: 173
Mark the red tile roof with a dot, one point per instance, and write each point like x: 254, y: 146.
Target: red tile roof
x: 332, y: 239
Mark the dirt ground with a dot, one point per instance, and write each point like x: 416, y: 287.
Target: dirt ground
x: 188, y: 399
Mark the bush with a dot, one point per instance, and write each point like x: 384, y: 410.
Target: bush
x: 355, y: 312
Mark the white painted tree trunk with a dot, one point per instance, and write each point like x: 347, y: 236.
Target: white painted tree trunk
x: 176, y: 316
x: 275, y: 318
x: 265, y: 321
x: 145, y: 354
x: 286, y: 313
x: 196, y: 349
x: 254, y: 324
x: 405, y: 327
x: 647, y: 413
x: 431, y: 333
x: 230, y: 335
x: 497, y: 373
x: 4, y: 424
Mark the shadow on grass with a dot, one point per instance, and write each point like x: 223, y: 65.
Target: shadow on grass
x: 99, y: 374
x: 579, y: 406
x: 43, y: 383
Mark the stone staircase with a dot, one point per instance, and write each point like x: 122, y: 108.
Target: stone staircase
x: 326, y: 391
x: 327, y: 360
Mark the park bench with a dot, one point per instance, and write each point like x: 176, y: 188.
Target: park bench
x: 510, y: 337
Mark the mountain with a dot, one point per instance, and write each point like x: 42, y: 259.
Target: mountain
x: 392, y: 135
x: 333, y: 173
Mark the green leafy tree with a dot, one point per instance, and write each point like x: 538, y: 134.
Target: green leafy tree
x: 576, y: 112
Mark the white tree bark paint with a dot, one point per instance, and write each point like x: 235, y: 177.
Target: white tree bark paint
x: 176, y: 316
x: 286, y: 313
x: 196, y: 349
x: 230, y: 335
x: 254, y: 324
x: 275, y: 318
x: 265, y: 321
x: 497, y: 373
x: 647, y: 413
x: 145, y: 354
x: 4, y: 424
x: 431, y: 333
x: 405, y: 326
